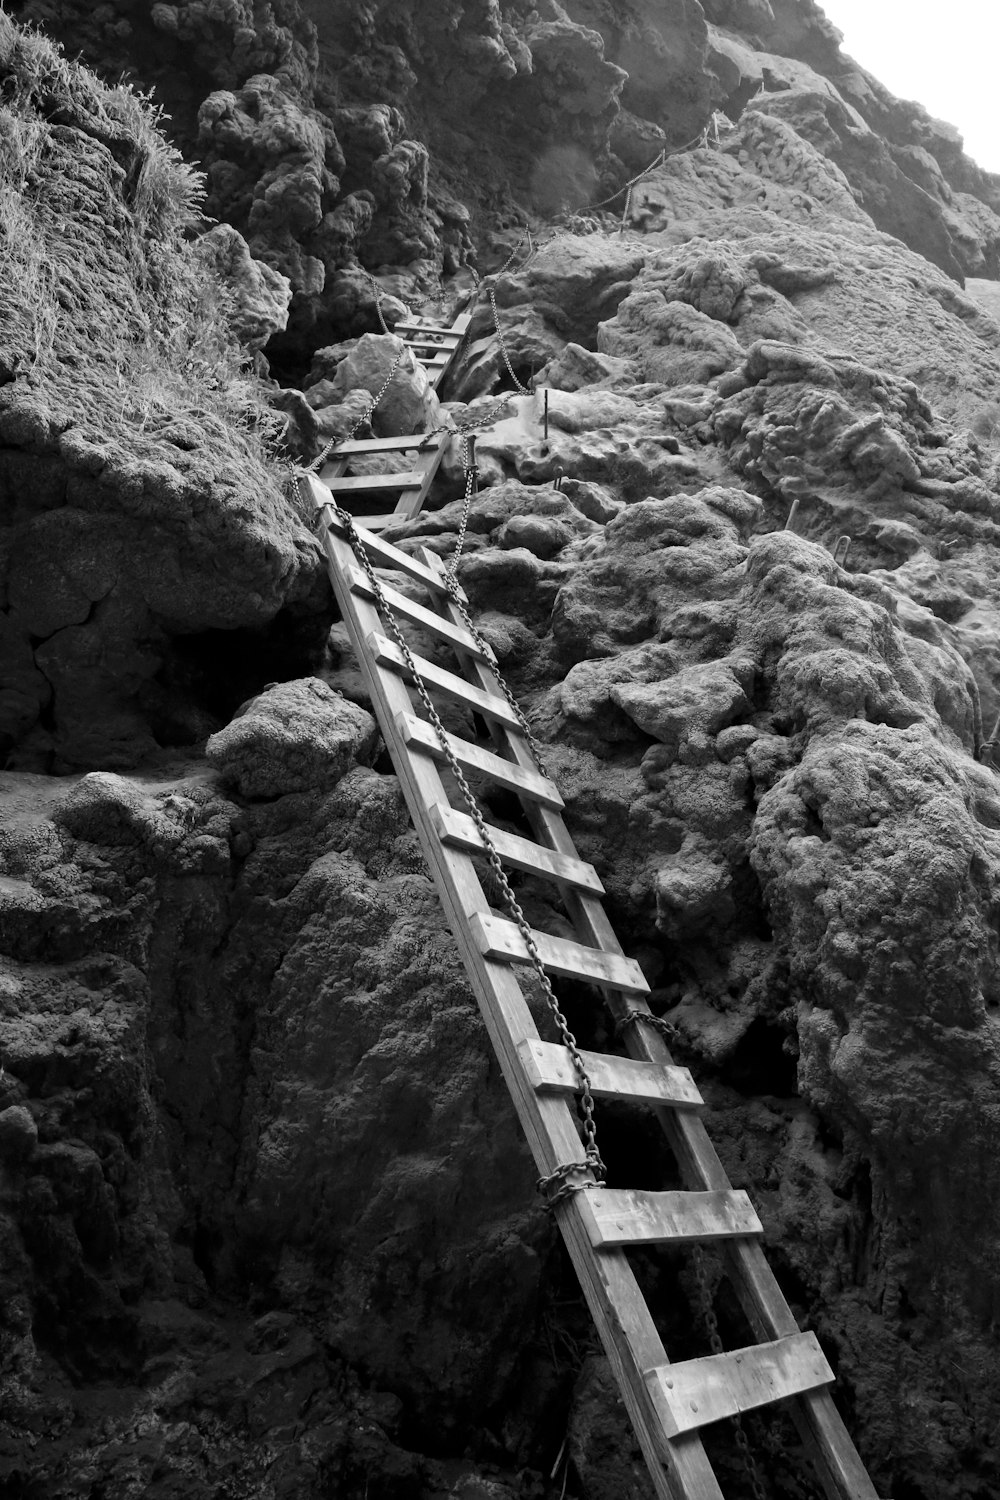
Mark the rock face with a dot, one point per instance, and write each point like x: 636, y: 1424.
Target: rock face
x: 336, y: 134
x: 267, y: 1226
x: 141, y: 505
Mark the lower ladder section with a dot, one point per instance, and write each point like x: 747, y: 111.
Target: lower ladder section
x: 669, y: 1403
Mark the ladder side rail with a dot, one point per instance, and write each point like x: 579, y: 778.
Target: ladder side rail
x: 824, y: 1435
x: 680, y: 1470
x: 820, y: 1426
x: 428, y: 461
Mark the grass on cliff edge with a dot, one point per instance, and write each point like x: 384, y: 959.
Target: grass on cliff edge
x: 106, y: 309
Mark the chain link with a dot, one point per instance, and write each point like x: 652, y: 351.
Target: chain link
x: 471, y: 476
x: 701, y: 139
x: 715, y: 1342
x: 559, y: 1184
x: 658, y: 1023
x: 377, y: 289
x: 365, y: 416
x: 592, y: 1155
x: 523, y: 390
x: 512, y: 702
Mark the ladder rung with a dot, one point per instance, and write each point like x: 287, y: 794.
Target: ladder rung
x: 458, y: 829
x: 417, y: 614
x: 528, y: 784
x: 548, y: 1066
x: 490, y: 705
x: 630, y: 1217
x: 434, y: 338
x: 699, y: 1391
x: 384, y: 554
x: 359, y: 483
x: 433, y: 361
x: 411, y: 327
x: 414, y: 443
x: 500, y: 939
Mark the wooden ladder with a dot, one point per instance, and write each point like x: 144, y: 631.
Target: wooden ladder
x: 668, y: 1403
x: 381, y: 500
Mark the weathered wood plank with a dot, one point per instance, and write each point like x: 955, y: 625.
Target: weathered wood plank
x: 411, y: 479
x: 415, y: 325
x: 417, y: 614
x: 460, y: 830
x: 500, y: 939
x: 415, y: 442
x: 418, y: 735
x: 627, y: 1216
x: 387, y: 654
x: 699, y: 1391
x: 549, y: 1066
x: 382, y: 554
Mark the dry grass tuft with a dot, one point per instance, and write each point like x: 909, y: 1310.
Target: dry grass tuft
x: 106, y: 311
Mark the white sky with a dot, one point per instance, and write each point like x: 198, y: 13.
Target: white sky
x: 946, y: 56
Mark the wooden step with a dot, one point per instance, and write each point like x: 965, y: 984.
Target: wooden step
x: 499, y: 939
x: 408, y: 609
x: 405, y: 330
x: 630, y: 1217
x: 549, y: 1067
x: 433, y: 361
x: 385, y: 555
x: 460, y: 831
x: 387, y: 654
x: 530, y: 785
x: 699, y: 1391
x: 362, y: 483
x: 416, y: 442
x: 435, y: 337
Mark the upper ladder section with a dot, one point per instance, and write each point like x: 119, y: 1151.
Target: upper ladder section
x: 669, y: 1403
x: 381, y: 499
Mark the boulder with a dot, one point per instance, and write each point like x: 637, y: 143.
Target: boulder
x: 295, y: 737
x: 260, y: 295
x: 408, y: 403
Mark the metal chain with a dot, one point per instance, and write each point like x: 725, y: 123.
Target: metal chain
x: 377, y: 289
x: 365, y: 416
x: 471, y: 476
x: 462, y: 428
x: 701, y: 139
x: 524, y: 390
x: 515, y: 707
x: 513, y: 906
x: 559, y: 1184
x: 451, y: 579
x: 658, y: 1023
x: 715, y: 1342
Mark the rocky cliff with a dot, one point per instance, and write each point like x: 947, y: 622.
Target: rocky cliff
x: 267, y: 1227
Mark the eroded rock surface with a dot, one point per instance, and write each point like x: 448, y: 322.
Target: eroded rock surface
x: 140, y: 504
x: 268, y: 1226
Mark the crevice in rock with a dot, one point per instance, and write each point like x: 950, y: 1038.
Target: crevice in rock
x: 761, y: 1063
